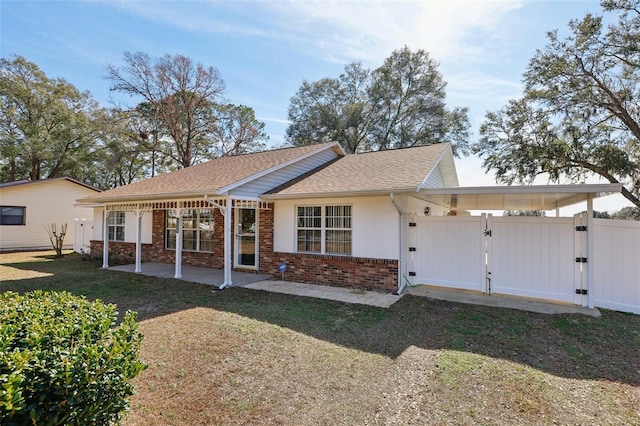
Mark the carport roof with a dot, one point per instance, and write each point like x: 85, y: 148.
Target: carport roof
x: 530, y: 197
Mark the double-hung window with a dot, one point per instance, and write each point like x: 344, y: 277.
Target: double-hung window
x: 12, y: 215
x: 324, y: 229
x: 115, y: 224
x: 197, y: 230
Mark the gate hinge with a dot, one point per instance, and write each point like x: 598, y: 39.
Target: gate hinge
x: 412, y: 274
x: 583, y: 291
x: 412, y: 249
x: 412, y: 224
x: 581, y: 260
x: 581, y: 228
x: 487, y: 232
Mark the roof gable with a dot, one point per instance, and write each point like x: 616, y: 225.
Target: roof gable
x: 213, y: 177
x: 388, y: 171
x: 18, y: 183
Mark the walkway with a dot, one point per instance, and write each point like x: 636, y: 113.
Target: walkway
x: 372, y: 298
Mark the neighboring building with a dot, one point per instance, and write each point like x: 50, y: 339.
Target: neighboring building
x: 28, y: 207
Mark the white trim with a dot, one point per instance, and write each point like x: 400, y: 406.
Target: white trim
x: 236, y: 260
x: 105, y: 239
x: 225, y: 189
x: 138, y: 216
x: 436, y: 165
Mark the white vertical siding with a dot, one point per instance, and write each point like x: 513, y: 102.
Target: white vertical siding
x: 533, y: 257
x: 616, y: 269
x: 448, y: 252
x: 46, y: 202
x: 434, y: 180
x: 263, y: 184
x: 374, y: 225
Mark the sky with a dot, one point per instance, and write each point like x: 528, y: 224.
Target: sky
x: 265, y: 49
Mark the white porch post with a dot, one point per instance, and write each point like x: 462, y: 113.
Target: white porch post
x: 139, y: 214
x: 178, y: 214
x: 227, y: 244
x: 105, y: 239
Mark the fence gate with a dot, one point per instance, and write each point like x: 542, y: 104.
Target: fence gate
x: 537, y: 257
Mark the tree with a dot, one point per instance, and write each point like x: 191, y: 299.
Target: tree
x: 400, y: 104
x: 46, y: 125
x: 523, y: 213
x: 184, y: 99
x: 627, y: 213
x: 238, y: 131
x: 579, y: 115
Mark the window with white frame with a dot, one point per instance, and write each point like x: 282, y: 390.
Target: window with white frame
x: 197, y: 230
x: 115, y: 226
x: 12, y: 215
x: 324, y: 229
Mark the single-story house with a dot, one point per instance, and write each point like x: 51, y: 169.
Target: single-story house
x: 379, y: 220
x: 28, y: 207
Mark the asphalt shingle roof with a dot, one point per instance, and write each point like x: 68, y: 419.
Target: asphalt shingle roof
x: 379, y: 171
x: 207, y: 177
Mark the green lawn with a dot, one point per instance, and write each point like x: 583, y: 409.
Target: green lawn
x: 241, y: 356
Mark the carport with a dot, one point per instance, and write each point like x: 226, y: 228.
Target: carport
x: 535, y: 257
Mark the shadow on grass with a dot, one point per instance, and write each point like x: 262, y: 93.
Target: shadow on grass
x: 572, y: 346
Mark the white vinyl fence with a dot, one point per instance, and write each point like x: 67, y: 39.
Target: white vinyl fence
x: 539, y: 257
x: 616, y: 265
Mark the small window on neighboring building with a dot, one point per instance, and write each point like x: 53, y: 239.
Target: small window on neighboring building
x: 324, y: 229
x: 12, y: 215
x: 115, y: 223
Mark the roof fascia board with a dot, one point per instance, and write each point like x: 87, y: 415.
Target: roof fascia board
x: 41, y: 181
x: 234, y: 185
x: 374, y: 192
x: 599, y: 189
x: 149, y: 197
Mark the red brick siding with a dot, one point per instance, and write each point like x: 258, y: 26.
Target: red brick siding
x: 341, y: 271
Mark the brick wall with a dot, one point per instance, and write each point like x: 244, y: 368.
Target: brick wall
x: 341, y: 271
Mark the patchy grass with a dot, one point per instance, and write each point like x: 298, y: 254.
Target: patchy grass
x: 249, y: 357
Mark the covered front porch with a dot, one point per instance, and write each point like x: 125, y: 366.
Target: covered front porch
x: 229, y: 209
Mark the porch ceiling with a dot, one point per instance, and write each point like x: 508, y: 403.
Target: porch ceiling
x: 533, y: 197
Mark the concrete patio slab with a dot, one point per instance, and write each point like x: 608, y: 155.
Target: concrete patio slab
x: 194, y: 274
x: 371, y: 298
x: 499, y: 301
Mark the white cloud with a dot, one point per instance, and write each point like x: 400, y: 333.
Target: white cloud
x: 342, y: 31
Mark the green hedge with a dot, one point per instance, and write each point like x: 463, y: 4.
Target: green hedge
x: 63, y: 361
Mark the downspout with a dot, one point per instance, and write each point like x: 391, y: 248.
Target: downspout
x: 401, y: 260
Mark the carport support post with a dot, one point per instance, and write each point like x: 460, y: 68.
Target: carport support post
x: 105, y: 239
x: 139, y: 214
x: 589, y: 250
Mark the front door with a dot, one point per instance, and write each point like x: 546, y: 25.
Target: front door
x: 246, y: 226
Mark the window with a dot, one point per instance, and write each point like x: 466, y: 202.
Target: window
x: 324, y: 230
x: 12, y: 215
x: 197, y: 230
x: 115, y: 224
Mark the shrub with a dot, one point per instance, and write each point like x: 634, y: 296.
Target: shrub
x: 64, y: 361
